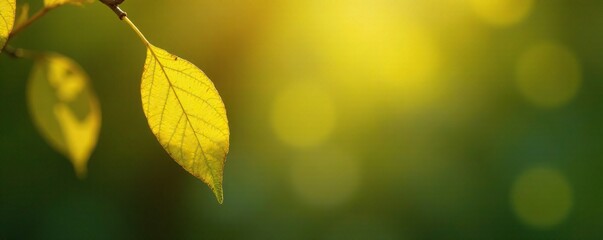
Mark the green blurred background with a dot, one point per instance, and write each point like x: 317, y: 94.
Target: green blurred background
x: 350, y: 119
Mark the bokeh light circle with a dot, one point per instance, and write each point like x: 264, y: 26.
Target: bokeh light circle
x: 548, y: 75
x: 303, y: 115
x: 502, y: 12
x: 541, y: 197
x: 326, y: 179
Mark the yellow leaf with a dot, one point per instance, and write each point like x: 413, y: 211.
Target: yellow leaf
x: 56, y: 3
x: 64, y: 108
x: 24, y: 15
x: 7, y: 19
x: 187, y: 115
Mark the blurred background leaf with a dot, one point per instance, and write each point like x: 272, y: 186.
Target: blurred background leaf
x: 64, y: 108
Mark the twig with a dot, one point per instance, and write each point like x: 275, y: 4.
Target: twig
x: 19, y: 52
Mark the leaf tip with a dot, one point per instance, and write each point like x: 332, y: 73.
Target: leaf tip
x: 80, y: 165
x: 219, y: 194
x: 81, y: 172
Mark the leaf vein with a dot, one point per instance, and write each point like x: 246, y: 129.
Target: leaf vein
x: 175, y: 130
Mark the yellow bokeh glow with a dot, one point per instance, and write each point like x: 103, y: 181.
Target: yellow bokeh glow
x: 548, y: 75
x: 303, y: 115
x: 373, y: 53
x: 502, y: 12
x: 541, y: 197
x: 399, y: 55
x: 325, y: 179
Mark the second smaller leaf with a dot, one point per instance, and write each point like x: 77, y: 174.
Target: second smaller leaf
x: 64, y: 108
x: 7, y: 20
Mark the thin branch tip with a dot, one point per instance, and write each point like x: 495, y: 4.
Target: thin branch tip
x: 114, y: 5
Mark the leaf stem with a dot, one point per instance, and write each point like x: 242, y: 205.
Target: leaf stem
x: 29, y: 21
x: 142, y: 37
x: 114, y: 5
